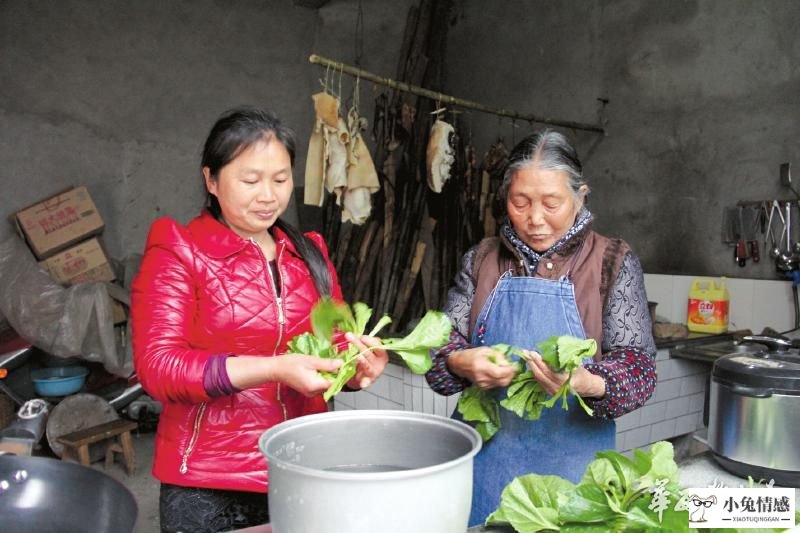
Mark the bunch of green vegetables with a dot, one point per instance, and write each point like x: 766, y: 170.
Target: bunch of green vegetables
x: 525, y: 397
x: 616, y: 494
x: 328, y: 316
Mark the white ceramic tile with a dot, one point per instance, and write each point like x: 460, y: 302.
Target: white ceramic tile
x: 452, y: 403
x: 387, y: 404
x: 365, y: 400
x: 427, y: 401
x: 629, y: 420
x: 663, y: 354
x: 667, y: 389
x: 395, y: 389
x: 773, y: 305
x: 654, y: 412
x: 415, y: 380
x: 666, y: 370
x: 380, y: 387
x: 678, y: 407
x: 637, y: 438
x: 693, y: 384
x: 440, y: 405
x: 680, y: 297
x: 659, y: 290
x: 620, y: 444
x: 395, y: 370
x: 408, y: 397
x: 697, y: 401
x: 686, y: 424
x: 741, y: 303
x: 662, y: 431
x: 343, y: 401
x: 417, y: 402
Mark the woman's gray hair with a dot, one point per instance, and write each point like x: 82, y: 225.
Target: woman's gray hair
x: 548, y: 150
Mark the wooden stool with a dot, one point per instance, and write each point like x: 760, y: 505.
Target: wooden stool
x: 76, y: 444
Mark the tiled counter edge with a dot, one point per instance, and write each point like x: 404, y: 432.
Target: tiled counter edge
x: 675, y: 409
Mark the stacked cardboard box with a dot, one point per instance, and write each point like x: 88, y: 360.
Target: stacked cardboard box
x: 63, y: 232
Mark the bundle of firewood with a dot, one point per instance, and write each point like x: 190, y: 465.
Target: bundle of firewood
x: 404, y: 258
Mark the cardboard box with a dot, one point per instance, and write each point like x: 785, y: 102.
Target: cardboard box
x: 58, y: 222
x: 84, y: 262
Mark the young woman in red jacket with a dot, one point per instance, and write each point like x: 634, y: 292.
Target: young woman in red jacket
x: 213, y: 306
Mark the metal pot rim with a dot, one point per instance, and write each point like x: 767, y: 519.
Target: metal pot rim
x: 467, y: 431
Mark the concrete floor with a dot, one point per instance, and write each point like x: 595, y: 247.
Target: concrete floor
x: 142, y: 484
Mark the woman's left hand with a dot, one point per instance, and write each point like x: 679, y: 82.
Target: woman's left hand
x: 370, y: 365
x: 585, y: 384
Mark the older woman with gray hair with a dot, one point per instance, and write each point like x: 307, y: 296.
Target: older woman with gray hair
x: 547, y: 273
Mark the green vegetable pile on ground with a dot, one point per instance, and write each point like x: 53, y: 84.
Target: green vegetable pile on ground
x: 328, y: 317
x: 525, y: 397
x: 616, y: 494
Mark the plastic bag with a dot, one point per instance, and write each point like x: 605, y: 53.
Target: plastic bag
x: 65, y: 322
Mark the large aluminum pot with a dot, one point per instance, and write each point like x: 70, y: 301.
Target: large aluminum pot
x: 370, y: 471
x: 43, y: 494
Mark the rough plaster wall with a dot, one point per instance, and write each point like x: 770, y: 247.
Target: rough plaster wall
x: 119, y: 95
x: 703, y: 106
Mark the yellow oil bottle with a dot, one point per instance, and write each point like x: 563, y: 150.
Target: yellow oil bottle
x: 708, y: 306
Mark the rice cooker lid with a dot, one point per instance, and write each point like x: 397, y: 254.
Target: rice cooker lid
x: 775, y: 370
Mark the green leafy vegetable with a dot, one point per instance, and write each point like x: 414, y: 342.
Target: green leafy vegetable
x: 615, y: 494
x: 328, y: 316
x: 530, y: 503
x: 479, y: 406
x: 565, y: 354
x: 524, y: 396
x: 433, y: 331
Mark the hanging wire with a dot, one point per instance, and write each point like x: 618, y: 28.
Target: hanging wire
x: 326, y: 82
x: 357, y: 94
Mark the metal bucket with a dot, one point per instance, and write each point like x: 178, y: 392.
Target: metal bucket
x: 367, y: 471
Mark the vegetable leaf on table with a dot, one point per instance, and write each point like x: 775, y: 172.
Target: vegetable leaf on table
x: 613, y: 495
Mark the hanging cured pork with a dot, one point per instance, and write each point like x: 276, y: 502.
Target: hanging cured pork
x: 440, y: 154
x: 336, y: 140
x: 362, y: 178
x: 326, y: 109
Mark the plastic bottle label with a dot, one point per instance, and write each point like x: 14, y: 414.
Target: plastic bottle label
x: 708, y: 315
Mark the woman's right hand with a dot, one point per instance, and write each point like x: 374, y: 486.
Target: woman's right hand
x: 301, y: 372
x: 475, y: 365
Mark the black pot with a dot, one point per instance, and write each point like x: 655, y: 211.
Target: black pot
x: 42, y: 494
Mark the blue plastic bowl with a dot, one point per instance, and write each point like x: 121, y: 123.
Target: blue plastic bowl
x: 59, y: 380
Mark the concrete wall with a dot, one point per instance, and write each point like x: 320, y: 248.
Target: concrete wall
x: 702, y: 100
x: 120, y: 95
x: 703, y: 106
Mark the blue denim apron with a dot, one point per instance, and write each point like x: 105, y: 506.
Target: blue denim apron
x: 524, y: 311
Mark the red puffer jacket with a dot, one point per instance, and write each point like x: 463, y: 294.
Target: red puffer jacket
x: 202, y: 290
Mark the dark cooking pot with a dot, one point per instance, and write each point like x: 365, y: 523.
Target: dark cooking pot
x: 754, y: 412
x: 42, y: 494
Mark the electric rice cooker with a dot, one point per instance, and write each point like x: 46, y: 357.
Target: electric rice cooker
x: 754, y: 412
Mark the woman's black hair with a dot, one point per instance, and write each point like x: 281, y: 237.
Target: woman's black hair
x: 235, y: 131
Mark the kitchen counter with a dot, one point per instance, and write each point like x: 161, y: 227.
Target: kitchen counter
x: 694, y: 338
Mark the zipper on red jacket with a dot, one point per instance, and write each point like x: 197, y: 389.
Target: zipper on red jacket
x: 195, y: 434
x: 281, y: 316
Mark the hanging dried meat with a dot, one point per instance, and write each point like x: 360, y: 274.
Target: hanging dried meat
x: 362, y: 178
x: 440, y: 154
